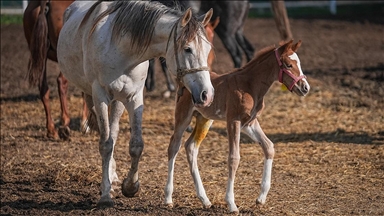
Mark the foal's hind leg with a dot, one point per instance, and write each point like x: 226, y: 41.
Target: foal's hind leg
x: 192, y: 149
x: 254, y: 131
x: 233, y: 129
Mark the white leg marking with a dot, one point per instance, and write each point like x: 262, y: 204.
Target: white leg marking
x: 265, y: 181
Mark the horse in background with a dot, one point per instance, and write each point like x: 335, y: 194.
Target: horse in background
x: 104, y: 48
x: 150, y: 81
x: 42, y: 23
x: 230, y: 30
x: 239, y: 100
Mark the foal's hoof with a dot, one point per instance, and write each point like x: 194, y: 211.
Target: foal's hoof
x: 208, y: 205
x: 64, y: 132
x: 260, y: 201
x: 105, y: 203
x: 129, y: 189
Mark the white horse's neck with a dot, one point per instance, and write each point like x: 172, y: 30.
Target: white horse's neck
x: 161, y: 38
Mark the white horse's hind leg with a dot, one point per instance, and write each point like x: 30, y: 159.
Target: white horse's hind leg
x: 255, y: 132
x: 105, y: 143
x: 131, y: 184
x: 192, y: 149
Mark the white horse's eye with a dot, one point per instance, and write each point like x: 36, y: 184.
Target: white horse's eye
x: 188, y: 50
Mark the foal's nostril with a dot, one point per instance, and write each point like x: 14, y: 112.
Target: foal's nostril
x: 203, y: 96
x: 305, y: 88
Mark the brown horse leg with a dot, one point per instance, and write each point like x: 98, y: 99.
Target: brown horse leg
x: 233, y: 129
x: 281, y: 19
x: 254, y: 131
x: 44, y: 96
x: 62, y: 84
x: 192, y: 149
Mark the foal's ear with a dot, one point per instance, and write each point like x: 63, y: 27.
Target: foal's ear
x: 286, y: 45
x: 205, y: 18
x: 186, y: 17
x: 296, y: 46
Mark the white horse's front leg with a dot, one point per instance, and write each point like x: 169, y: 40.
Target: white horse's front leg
x: 192, y: 149
x: 131, y: 184
x: 100, y: 101
x: 117, y: 109
x: 255, y: 132
x: 233, y: 129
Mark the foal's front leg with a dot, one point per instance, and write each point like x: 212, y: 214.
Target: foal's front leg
x: 233, y: 129
x: 183, y: 118
x: 192, y: 149
x: 254, y: 131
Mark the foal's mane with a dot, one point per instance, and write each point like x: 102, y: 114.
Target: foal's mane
x: 139, y: 18
x: 262, y: 54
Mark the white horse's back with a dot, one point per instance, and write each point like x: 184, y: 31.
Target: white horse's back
x: 71, y: 39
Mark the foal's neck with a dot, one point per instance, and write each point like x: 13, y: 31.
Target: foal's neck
x: 262, y: 74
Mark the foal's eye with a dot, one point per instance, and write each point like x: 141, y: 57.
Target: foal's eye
x: 188, y: 50
x: 289, y: 66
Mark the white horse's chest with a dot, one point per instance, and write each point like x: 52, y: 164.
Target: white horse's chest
x: 126, y: 85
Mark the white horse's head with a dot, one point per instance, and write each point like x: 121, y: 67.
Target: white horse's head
x: 187, y: 56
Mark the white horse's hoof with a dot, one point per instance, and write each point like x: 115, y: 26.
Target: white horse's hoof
x: 129, y: 189
x: 169, y: 205
x: 105, y: 202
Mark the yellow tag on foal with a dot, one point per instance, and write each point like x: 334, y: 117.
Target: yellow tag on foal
x: 284, y: 87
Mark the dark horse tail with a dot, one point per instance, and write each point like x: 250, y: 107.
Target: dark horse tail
x: 39, y: 45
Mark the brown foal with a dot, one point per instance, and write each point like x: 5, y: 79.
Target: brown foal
x: 239, y: 99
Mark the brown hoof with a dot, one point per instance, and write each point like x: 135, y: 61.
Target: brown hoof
x: 129, y: 189
x: 64, y: 132
x: 53, y: 135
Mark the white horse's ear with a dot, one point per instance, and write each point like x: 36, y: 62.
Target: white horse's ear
x: 205, y: 18
x: 186, y: 17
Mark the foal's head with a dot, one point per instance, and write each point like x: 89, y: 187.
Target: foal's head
x: 290, y: 73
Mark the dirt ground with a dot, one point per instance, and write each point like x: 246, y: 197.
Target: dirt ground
x: 329, y: 145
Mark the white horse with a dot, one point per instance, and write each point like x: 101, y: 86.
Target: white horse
x: 103, y: 49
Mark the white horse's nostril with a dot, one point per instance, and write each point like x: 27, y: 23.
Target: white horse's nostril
x: 203, y: 96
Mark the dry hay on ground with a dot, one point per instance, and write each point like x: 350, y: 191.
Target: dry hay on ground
x: 329, y: 145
